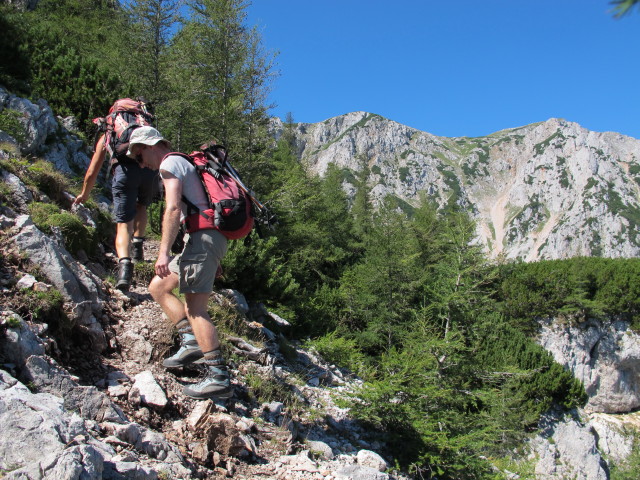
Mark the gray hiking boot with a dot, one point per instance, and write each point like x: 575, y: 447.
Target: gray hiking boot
x: 125, y: 274
x: 216, y: 384
x: 188, y: 353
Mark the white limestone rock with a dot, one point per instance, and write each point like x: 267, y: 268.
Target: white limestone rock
x: 605, y: 356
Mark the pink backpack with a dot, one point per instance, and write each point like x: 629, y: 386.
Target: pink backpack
x: 124, y: 116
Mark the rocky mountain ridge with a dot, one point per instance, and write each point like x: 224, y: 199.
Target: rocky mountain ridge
x: 543, y: 191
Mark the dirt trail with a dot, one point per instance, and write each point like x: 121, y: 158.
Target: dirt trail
x: 497, y: 215
x: 542, y: 236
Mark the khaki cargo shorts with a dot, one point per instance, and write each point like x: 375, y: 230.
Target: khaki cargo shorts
x: 197, y: 264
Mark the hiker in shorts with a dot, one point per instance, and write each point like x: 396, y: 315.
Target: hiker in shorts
x: 133, y: 188
x: 193, y: 270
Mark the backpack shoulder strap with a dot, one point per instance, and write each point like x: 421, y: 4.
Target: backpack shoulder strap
x: 180, y: 154
x: 191, y: 208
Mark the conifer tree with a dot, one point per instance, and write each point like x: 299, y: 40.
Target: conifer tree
x: 96, y: 29
x: 75, y: 49
x: 219, y: 77
x: 152, y: 22
x: 362, y: 209
x: 455, y: 287
x: 380, y: 290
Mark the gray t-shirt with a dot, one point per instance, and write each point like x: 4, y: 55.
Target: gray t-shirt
x: 192, y: 188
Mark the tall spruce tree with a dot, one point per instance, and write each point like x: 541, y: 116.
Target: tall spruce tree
x: 219, y: 78
x: 380, y: 290
x: 152, y: 24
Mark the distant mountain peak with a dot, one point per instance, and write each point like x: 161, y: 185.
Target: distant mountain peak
x: 552, y: 189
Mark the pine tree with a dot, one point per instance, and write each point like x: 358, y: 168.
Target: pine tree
x: 380, y: 290
x: 219, y: 76
x: 152, y: 24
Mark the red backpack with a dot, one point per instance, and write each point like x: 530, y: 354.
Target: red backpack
x: 230, y: 203
x: 124, y: 116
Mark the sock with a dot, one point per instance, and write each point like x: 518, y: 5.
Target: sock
x: 125, y: 259
x: 138, y: 239
x: 183, y: 326
x: 214, y: 358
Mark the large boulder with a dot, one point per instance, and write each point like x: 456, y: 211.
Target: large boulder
x: 566, y: 448
x: 40, y: 439
x: 78, y: 286
x: 37, y: 119
x: 19, y: 342
x: 43, y: 135
x: 44, y: 374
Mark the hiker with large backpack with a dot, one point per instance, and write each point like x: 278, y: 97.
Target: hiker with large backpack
x: 133, y: 187
x: 201, y: 192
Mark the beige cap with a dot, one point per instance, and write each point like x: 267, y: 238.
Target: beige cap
x: 144, y: 135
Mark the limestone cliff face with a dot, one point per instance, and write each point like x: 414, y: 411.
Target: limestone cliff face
x: 543, y: 191
x: 603, y: 355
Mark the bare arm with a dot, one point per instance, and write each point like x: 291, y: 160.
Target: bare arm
x: 170, y: 221
x: 92, y: 172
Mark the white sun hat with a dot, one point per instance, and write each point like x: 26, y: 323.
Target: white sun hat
x: 145, y: 136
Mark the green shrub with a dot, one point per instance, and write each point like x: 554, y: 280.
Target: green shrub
x: 76, y: 236
x: 267, y: 389
x: 46, y: 307
x: 48, y: 179
x: 10, y: 123
x: 578, y: 287
x: 339, y: 351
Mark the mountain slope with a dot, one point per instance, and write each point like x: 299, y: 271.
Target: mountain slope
x: 543, y: 191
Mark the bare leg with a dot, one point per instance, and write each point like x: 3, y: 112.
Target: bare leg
x: 203, y: 328
x: 124, y: 233
x: 161, y: 290
x: 217, y: 383
x: 140, y: 221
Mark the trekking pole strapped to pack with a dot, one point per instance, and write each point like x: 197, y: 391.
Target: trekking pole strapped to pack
x: 233, y: 173
x: 262, y: 214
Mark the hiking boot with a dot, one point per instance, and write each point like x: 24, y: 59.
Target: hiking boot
x: 125, y: 274
x: 216, y: 384
x: 188, y: 353
x: 137, y: 250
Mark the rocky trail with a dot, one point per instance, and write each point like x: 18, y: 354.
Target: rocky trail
x: 282, y: 423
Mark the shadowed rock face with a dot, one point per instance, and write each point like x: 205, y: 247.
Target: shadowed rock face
x: 543, y: 191
x: 604, y: 356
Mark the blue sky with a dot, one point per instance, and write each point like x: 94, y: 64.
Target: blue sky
x: 455, y: 67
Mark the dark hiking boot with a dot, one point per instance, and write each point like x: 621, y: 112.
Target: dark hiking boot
x: 216, y: 384
x: 137, y: 250
x: 125, y: 274
x: 188, y: 353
